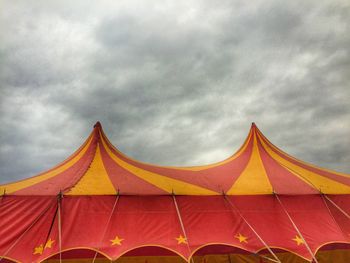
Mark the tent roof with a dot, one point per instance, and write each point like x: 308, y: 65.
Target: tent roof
x: 258, y: 167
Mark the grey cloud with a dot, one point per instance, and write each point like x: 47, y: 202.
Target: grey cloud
x: 173, y: 83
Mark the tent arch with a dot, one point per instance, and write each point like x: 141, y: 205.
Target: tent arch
x: 90, y: 249
x: 208, y: 245
x: 333, y: 252
x: 8, y: 260
x: 134, y: 249
x: 277, y: 250
x: 335, y: 243
x: 222, y: 245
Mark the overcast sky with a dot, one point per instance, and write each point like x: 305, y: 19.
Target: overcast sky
x: 173, y: 82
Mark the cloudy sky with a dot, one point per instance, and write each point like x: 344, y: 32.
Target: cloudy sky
x: 173, y: 82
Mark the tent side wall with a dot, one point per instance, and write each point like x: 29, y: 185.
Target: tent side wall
x: 35, y: 228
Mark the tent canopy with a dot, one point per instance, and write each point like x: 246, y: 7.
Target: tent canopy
x: 258, y: 167
x: 260, y: 199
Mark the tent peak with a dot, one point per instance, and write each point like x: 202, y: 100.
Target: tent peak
x: 258, y: 167
x: 253, y: 127
x: 98, y: 125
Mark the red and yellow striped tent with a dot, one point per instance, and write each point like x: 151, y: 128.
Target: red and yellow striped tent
x: 99, y: 205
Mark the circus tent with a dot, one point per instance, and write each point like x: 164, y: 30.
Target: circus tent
x: 99, y: 205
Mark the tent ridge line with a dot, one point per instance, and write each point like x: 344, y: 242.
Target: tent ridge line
x: 298, y: 161
x: 264, y: 145
x: 83, y: 171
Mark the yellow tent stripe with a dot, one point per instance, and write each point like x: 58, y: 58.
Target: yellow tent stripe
x: 253, y: 179
x: 95, y: 181
x: 13, y: 187
x: 319, y: 182
x: 191, y: 168
x: 165, y: 183
x: 261, y: 136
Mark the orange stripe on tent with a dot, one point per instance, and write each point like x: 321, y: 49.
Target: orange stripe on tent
x: 282, y: 180
x: 253, y: 180
x: 21, y: 185
x: 166, y: 168
x: 168, y: 184
x: 321, y: 183
x: 313, y: 168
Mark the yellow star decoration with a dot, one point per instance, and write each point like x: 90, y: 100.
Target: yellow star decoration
x: 117, y: 241
x: 299, y: 240
x: 181, y: 240
x: 49, y: 243
x: 241, y: 238
x: 39, y: 249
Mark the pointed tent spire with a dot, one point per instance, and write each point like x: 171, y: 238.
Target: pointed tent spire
x: 98, y: 125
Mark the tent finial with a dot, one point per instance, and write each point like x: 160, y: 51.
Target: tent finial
x: 98, y: 124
